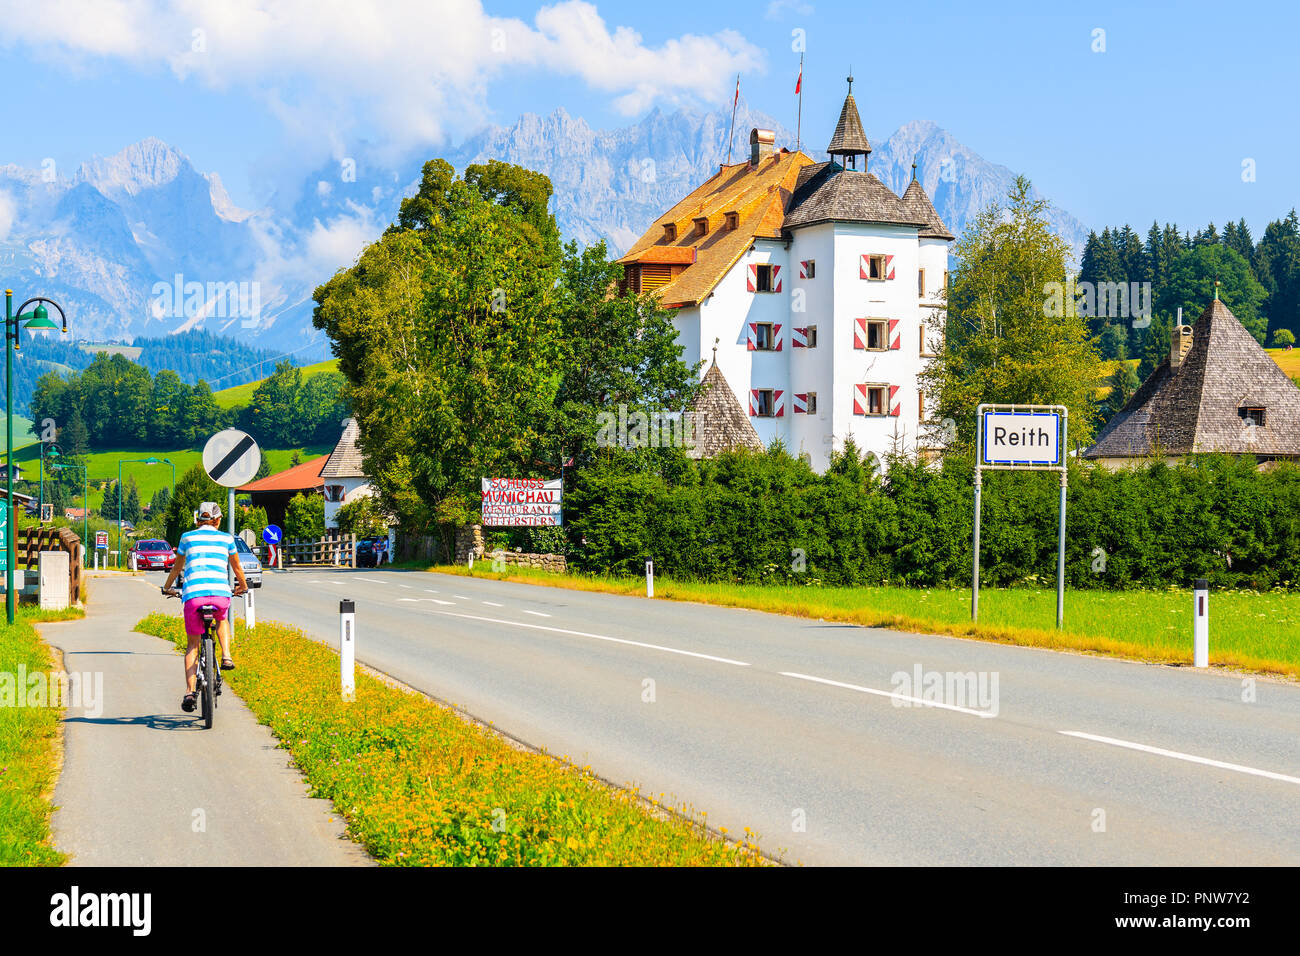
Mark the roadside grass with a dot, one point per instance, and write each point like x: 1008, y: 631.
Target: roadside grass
x: 420, y: 785
x: 29, y: 747
x: 1254, y: 631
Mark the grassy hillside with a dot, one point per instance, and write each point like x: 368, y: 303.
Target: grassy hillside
x: 102, y: 465
x: 243, y: 394
x: 22, y: 435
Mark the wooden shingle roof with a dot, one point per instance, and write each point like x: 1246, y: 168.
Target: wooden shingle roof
x: 849, y: 136
x: 1196, y: 407
x: 836, y: 194
x: 720, y: 421
x: 916, y: 200
x: 758, y: 194
x: 346, y: 460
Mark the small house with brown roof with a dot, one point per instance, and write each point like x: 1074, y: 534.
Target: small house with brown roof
x: 1218, y: 391
x: 821, y: 289
x: 344, y: 474
x: 274, y: 491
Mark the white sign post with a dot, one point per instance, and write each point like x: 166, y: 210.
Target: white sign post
x: 649, y: 579
x: 1201, y: 623
x: 347, y: 649
x: 1019, y: 438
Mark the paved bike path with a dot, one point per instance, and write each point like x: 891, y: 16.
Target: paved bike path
x: 143, y: 784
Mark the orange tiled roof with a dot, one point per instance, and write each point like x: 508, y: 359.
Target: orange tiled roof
x: 757, y: 194
x: 303, y: 477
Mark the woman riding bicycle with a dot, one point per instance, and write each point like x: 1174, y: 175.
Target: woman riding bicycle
x: 204, y: 554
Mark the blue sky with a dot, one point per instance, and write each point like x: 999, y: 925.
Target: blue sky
x: 1156, y: 126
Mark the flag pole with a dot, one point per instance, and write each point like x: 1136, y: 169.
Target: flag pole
x: 798, y: 133
x: 732, y: 134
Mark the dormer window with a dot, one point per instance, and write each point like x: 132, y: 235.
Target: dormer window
x: 733, y: 220
x: 1251, y: 415
x: 701, y: 225
x: 670, y: 231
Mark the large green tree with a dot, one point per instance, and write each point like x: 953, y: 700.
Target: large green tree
x: 1005, y: 340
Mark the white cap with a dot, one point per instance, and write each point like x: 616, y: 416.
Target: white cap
x: 208, y: 511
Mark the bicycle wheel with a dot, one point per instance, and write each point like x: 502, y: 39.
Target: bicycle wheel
x: 205, y: 665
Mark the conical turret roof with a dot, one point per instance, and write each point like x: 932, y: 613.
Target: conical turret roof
x: 849, y: 136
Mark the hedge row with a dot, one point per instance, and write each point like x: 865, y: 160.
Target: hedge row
x: 751, y: 517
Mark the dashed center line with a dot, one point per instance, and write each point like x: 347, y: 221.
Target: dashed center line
x: 597, y: 637
x: 493, y: 604
x: 538, y: 613
x: 887, y: 693
x: 1190, y: 758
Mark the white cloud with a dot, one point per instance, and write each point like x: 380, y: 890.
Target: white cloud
x: 777, y: 9
x: 417, y: 70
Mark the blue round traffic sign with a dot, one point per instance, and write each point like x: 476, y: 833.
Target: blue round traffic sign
x: 271, y: 534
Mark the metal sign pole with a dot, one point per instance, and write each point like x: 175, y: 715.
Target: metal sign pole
x: 1060, y: 546
x: 975, y: 537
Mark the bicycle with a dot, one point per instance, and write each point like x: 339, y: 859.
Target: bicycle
x: 208, y: 679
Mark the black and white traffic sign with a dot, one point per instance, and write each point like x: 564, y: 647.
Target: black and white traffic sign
x: 231, y: 458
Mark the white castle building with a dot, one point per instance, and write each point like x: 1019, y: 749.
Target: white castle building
x: 815, y: 291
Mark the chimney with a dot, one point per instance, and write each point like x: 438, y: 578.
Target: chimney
x: 1180, y: 346
x: 762, y: 143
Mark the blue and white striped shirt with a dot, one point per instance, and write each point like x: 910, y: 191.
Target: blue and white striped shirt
x: 207, y: 554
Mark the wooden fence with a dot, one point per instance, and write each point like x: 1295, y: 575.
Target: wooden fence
x: 32, y: 541
x: 336, y: 550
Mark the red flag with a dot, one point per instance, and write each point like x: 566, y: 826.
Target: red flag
x: 799, y: 82
x: 736, y: 98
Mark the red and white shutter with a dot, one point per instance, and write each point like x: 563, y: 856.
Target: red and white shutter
x: 776, y: 334
x: 753, y: 402
x: 895, y: 405
x: 859, y: 333
x: 800, y: 403
x: 776, y: 278
x: 751, y: 336
x: 864, y: 267
x: 751, y: 279
x: 778, y: 403
x: 889, y: 267
x: 798, y: 338
x: 803, y: 269
x: 895, y: 340
x: 859, y: 399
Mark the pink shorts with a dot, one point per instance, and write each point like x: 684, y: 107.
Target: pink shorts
x: 194, y: 620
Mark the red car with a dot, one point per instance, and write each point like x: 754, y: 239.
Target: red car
x: 151, y: 554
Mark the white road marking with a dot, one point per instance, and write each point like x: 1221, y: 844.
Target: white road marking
x: 463, y: 597
x: 538, y: 613
x: 1191, y: 758
x: 407, y: 586
x: 597, y: 637
x: 430, y: 591
x: 493, y: 604
x: 429, y: 600
x: 888, y: 693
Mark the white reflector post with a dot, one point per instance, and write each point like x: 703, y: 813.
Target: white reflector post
x: 649, y: 579
x: 1201, y: 623
x: 250, y: 612
x: 347, y: 649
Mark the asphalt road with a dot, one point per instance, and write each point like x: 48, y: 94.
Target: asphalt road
x: 798, y: 729
x: 143, y: 784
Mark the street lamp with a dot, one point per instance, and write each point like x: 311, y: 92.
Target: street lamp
x: 38, y: 320
x: 142, y: 461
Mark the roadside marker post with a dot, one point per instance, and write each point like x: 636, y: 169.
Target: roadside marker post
x: 347, y: 649
x: 1201, y: 623
x: 250, y: 612
x: 649, y: 579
